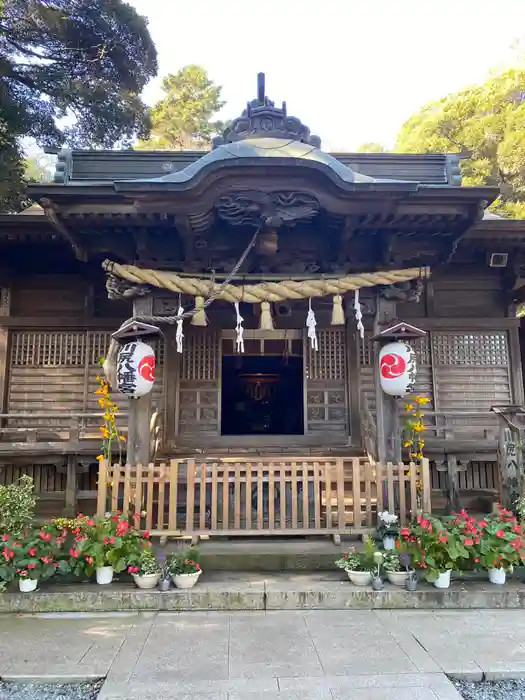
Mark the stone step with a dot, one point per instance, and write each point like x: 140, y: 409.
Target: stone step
x: 221, y: 591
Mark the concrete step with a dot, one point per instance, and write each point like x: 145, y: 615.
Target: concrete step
x: 264, y: 592
x: 266, y: 554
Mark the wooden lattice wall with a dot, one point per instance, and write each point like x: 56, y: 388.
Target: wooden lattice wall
x: 457, y: 372
x: 52, y: 371
x: 199, y: 411
x: 326, y: 395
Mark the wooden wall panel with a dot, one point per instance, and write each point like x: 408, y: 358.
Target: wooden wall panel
x: 50, y: 296
x: 199, y: 409
x: 57, y: 370
x: 326, y: 394
x: 473, y: 295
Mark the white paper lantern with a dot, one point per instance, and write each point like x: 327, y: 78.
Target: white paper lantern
x: 135, y: 369
x: 397, y: 369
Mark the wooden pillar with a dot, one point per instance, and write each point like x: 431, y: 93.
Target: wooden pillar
x: 353, y: 382
x: 140, y: 409
x: 172, y: 364
x: 388, y: 428
x: 510, y: 463
x: 453, y: 502
x: 70, y: 506
x: 5, y: 310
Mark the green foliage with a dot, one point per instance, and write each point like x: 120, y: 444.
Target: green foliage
x: 182, y: 119
x: 110, y: 541
x: 360, y: 561
x: 371, y: 147
x: 32, y: 557
x: 87, y: 60
x: 17, y: 506
x: 144, y: 563
x: 483, y: 123
x: 184, y: 562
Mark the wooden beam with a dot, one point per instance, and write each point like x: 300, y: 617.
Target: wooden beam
x: 57, y: 222
x: 510, y: 462
x: 70, y: 506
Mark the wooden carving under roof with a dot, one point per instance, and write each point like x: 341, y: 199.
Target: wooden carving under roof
x: 317, y: 213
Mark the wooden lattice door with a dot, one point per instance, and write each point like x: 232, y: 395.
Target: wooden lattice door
x: 199, y: 385
x: 325, y: 384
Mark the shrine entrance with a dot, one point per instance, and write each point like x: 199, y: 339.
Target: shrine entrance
x: 262, y: 395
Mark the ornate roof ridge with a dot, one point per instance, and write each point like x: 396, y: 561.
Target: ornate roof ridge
x: 262, y: 119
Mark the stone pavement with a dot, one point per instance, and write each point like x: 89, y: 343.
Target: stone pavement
x: 308, y: 655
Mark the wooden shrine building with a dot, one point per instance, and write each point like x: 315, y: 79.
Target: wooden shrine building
x: 137, y: 234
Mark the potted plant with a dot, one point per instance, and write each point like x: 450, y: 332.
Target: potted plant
x: 108, y: 545
x: 395, y: 571
x: 388, y: 529
x: 377, y: 581
x: 165, y: 575
x: 436, y: 548
x: 185, y: 569
x: 145, y: 570
x: 359, y: 565
x: 29, y: 559
x: 500, y: 545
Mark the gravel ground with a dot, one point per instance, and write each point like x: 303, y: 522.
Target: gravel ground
x: 50, y: 691
x: 497, y: 690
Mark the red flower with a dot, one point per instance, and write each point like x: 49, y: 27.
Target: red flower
x: 31, y: 566
x: 468, y: 542
x: 197, y: 566
x: 91, y: 523
x: 80, y: 516
x: 482, y: 523
x: 476, y: 559
x: 146, y: 534
x: 111, y: 540
x: 5, y: 538
x: 133, y: 569
x: 500, y: 534
x: 46, y: 536
x: 517, y: 529
x: 74, y: 553
x: 405, y: 532
x: 106, y: 540
x: 32, y: 552
x: 46, y: 560
x: 89, y: 560
x: 443, y: 538
x: 21, y: 573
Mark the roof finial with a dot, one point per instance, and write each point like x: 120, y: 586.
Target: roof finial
x: 261, y: 88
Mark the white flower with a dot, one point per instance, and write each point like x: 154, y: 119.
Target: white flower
x: 388, y: 518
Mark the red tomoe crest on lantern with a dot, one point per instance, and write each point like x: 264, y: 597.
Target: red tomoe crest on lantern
x: 146, y: 368
x: 135, y: 369
x: 397, y: 368
x: 392, y: 366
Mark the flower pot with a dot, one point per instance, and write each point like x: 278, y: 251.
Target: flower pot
x: 377, y: 584
x: 389, y: 542
x: 186, y: 580
x: 411, y: 584
x: 27, y: 585
x: 360, y: 578
x: 146, y: 580
x: 104, y: 575
x: 398, y: 578
x: 497, y: 576
x: 443, y: 580
x: 165, y: 585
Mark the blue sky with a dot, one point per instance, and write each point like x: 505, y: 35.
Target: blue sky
x: 352, y: 70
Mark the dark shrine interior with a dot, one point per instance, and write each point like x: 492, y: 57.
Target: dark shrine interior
x: 262, y: 395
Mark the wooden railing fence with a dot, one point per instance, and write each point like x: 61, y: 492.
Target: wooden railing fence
x: 265, y: 496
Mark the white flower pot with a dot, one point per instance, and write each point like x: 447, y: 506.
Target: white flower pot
x: 27, y: 585
x: 443, y: 580
x: 104, y: 575
x: 398, y: 578
x: 186, y: 580
x: 360, y: 578
x: 146, y: 580
x: 389, y: 542
x: 497, y: 576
